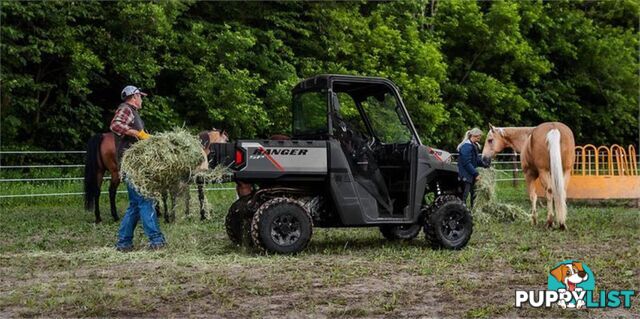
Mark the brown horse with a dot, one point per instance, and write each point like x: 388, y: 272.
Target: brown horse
x: 101, y: 157
x: 546, y: 152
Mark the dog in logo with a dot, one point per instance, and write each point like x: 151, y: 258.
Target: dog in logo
x: 570, y: 275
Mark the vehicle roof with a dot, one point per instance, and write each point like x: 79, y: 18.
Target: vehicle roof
x: 324, y: 81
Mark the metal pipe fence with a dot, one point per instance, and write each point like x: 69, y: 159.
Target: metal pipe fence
x: 41, y: 166
x: 45, y: 179
x: 6, y: 168
x: 43, y: 152
x: 103, y: 192
x: 509, y: 162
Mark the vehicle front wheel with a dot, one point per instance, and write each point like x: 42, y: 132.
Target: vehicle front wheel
x: 281, y: 225
x: 448, y: 223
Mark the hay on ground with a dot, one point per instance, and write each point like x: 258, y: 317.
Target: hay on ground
x: 486, y: 205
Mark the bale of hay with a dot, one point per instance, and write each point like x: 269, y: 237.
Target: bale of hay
x: 162, y: 163
x: 486, y: 206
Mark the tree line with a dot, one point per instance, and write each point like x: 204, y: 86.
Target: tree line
x: 232, y: 65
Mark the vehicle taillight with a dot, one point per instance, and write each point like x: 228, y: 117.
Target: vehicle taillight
x: 239, y: 160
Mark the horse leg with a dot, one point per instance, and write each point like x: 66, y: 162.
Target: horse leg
x: 174, y: 200
x: 201, y: 198
x: 545, y: 180
x: 187, y: 200
x: 158, y: 209
x: 99, y: 178
x: 164, y: 204
x: 113, y: 189
x: 533, y: 197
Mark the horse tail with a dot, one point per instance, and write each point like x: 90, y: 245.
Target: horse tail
x: 91, y: 187
x: 557, y: 176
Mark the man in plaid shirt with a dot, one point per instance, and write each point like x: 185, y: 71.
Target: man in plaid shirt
x: 127, y: 124
x: 121, y: 124
x: 129, y: 128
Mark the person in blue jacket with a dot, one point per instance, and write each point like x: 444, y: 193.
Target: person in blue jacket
x: 468, y: 160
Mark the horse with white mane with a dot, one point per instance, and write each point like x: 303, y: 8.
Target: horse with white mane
x: 547, y: 152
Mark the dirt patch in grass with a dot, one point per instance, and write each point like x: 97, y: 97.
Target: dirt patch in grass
x: 161, y: 287
x: 62, y: 266
x: 148, y: 284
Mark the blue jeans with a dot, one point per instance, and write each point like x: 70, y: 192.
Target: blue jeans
x: 139, y: 208
x: 469, y: 188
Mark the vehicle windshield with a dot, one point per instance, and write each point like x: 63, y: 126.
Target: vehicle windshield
x: 310, y: 113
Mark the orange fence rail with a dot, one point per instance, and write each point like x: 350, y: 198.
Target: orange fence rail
x: 605, y: 161
x: 603, y: 173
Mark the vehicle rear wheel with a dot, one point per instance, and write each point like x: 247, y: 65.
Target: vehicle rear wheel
x: 281, y: 225
x: 237, y: 223
x: 400, y: 232
x: 448, y: 223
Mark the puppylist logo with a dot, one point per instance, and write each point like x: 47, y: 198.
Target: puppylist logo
x: 572, y: 285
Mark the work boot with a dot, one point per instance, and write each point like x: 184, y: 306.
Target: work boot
x: 124, y: 249
x: 156, y: 246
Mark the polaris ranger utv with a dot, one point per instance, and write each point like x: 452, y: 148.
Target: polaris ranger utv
x: 354, y: 159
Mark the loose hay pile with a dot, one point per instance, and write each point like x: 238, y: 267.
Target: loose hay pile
x: 165, y: 162
x: 486, y: 206
x: 219, y: 174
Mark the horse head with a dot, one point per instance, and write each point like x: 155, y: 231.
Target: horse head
x: 218, y: 136
x: 212, y: 136
x: 494, y: 144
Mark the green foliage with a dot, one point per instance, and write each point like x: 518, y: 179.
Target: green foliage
x: 594, y: 85
x: 457, y: 63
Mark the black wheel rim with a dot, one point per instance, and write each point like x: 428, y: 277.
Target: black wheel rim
x: 285, y: 230
x: 454, y: 226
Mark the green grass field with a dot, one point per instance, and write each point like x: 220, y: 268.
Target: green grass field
x: 55, y: 262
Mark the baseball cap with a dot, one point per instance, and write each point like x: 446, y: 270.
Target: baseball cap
x: 130, y: 90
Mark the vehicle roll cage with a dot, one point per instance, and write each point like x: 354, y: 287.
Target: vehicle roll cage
x: 333, y: 84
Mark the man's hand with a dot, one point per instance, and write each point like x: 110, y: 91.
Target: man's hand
x: 477, y: 178
x: 142, y: 135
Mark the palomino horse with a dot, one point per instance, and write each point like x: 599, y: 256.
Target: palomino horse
x: 546, y: 152
x: 101, y: 157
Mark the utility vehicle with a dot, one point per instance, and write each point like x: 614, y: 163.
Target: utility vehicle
x: 354, y: 159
